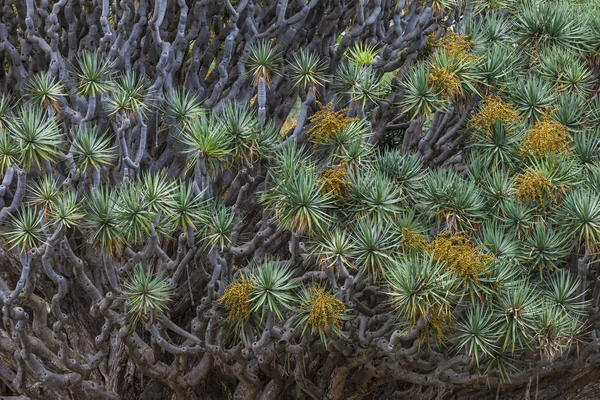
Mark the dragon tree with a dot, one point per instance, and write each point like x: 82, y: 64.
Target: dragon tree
x: 299, y: 199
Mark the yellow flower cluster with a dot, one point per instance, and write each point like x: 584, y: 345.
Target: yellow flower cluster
x: 335, y: 182
x: 546, y: 136
x: 327, y: 122
x: 457, y: 45
x: 446, y: 80
x: 493, y: 109
x: 236, y: 298
x: 531, y: 186
x: 326, y: 310
x: 445, y: 77
x: 412, y: 241
x: 440, y: 322
x: 459, y: 255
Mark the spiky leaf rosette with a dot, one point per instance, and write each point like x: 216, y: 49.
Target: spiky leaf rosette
x: 131, y: 96
x: 334, y: 249
x: 418, y: 284
x: 562, y: 292
x: 263, y: 62
x: 240, y: 125
x: 531, y: 96
x: 206, y: 139
x: 93, y: 74
x: 135, y: 218
x: 545, y: 248
x: 146, y: 294
x: 45, y: 90
x: 91, y: 149
x: 518, y: 307
x: 307, y: 70
x: 581, y: 214
x: 406, y: 170
x: 375, y: 196
x: 184, y: 107
x: 219, y: 228
x: 67, y: 210
x: 44, y: 193
x: 360, y: 84
x: 37, y: 135
x: 477, y: 333
x: 158, y: 191
x: 375, y: 244
x: 299, y: 204
x: 273, y: 288
x: 9, y: 152
x: 187, y: 210
x: 102, y: 220
x: 25, y: 230
x: 422, y: 97
x: 362, y: 54
x: 454, y: 201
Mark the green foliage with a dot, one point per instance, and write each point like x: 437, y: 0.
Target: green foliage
x: 531, y: 95
x: 362, y: 54
x: 9, y: 152
x: 465, y: 229
x: 418, y: 284
x: 477, y: 333
x: 37, y: 135
x: 307, y: 69
x: 581, y: 217
x: 91, y: 151
x: 454, y: 201
x: 335, y: 248
x: 187, y: 210
x: 361, y: 84
x: 273, y: 289
x: 184, y: 107
x: 45, y: 90
x: 421, y: 97
x: 102, y: 220
x: 134, y: 217
x: 299, y: 204
x: 146, y: 294
x: 131, y: 96
x: 540, y: 23
x: 44, y: 193
x: 263, y: 62
x: 25, y: 230
x: 374, y: 196
x: 375, y: 244
x: 93, y: 74
x: 67, y: 211
x: 206, y: 138
x: 219, y: 228
x: 518, y: 305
